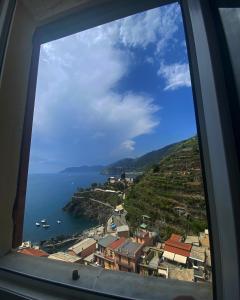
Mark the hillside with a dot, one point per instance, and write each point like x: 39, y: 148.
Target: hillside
x: 171, y: 193
x: 138, y: 164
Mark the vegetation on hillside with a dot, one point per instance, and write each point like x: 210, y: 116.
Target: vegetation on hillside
x: 171, y: 193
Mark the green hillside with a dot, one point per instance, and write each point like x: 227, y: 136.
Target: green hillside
x: 171, y: 193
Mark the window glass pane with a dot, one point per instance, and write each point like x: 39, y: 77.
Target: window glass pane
x: 231, y: 23
x: 115, y: 178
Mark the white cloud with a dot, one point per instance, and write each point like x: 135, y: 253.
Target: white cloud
x: 76, y: 89
x: 155, y: 26
x: 176, y: 75
x: 128, y: 145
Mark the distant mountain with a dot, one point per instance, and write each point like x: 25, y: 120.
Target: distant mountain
x: 140, y: 163
x: 83, y: 169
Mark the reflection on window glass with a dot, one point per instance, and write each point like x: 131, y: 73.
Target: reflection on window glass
x: 115, y: 178
x: 231, y: 23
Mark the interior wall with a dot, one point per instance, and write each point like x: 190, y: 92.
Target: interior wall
x: 13, y: 95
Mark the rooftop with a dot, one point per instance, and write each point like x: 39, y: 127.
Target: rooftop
x: 107, y: 240
x: 176, y: 237
x: 129, y: 248
x: 119, y: 207
x: 84, y: 244
x: 192, y: 239
x: 197, y: 253
x: 117, y: 243
x: 178, y: 248
x: 33, y: 252
x: 89, y: 258
x: 143, y: 225
x: 141, y: 233
x: 181, y: 274
x: 122, y: 228
x: 62, y: 256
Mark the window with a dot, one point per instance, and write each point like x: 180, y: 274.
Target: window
x: 192, y: 25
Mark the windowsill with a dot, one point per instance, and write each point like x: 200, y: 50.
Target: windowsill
x: 34, y: 276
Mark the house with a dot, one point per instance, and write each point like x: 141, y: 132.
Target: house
x: 193, y: 240
x: 181, y: 274
x: 123, y: 231
x: 176, y: 237
x: 127, y: 256
x: 100, y: 254
x: 143, y: 226
x: 199, y: 274
x: 143, y: 237
x: 176, y: 251
x: 24, y: 245
x: 33, y: 252
x: 109, y: 262
x: 149, y: 264
x: 197, y: 257
x: 89, y: 260
x: 62, y: 256
x: 83, y: 248
x: 112, y: 179
x: 119, y: 209
x: 204, y: 239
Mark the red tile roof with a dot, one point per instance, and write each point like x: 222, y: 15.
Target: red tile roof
x: 117, y: 243
x: 176, y: 237
x: 33, y: 252
x: 177, y: 247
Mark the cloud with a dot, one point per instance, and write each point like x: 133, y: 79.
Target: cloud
x: 176, y: 75
x: 155, y: 26
x: 128, y: 145
x: 77, y: 103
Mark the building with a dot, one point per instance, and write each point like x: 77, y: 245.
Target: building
x: 33, y: 252
x: 204, y: 239
x: 143, y: 237
x: 176, y: 237
x: 192, y: 240
x: 24, y: 245
x: 175, y: 251
x: 89, y: 260
x: 62, y: 256
x: 109, y: 255
x: 127, y: 256
x: 197, y: 257
x: 112, y: 179
x: 83, y: 248
x: 123, y: 231
x: 100, y: 254
x: 150, y: 263
x: 119, y: 209
x: 181, y: 274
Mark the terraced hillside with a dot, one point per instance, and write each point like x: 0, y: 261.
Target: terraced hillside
x: 171, y: 193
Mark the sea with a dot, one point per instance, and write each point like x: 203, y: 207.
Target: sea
x: 46, y: 195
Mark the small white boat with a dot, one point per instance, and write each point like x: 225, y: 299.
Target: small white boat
x: 45, y: 226
x: 37, y: 224
x: 59, y: 222
x: 43, y: 221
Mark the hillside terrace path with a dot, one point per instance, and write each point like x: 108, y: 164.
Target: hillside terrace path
x: 94, y: 200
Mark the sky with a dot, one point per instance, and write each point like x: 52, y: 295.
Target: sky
x: 118, y: 90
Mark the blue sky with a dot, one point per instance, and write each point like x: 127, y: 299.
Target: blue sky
x: 118, y: 90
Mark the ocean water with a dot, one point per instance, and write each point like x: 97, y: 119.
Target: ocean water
x: 46, y: 195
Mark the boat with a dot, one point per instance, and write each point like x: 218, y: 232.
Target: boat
x: 59, y: 222
x: 45, y: 226
x: 43, y: 221
x: 37, y: 224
